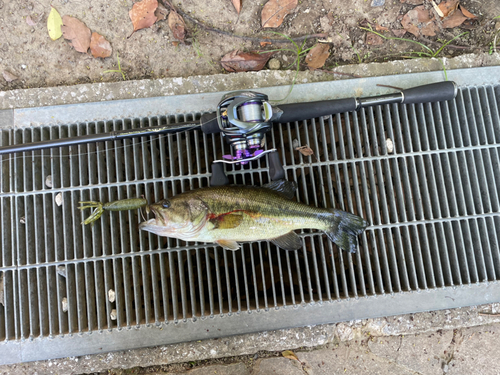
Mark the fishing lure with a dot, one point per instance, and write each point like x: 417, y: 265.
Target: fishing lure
x: 119, y: 205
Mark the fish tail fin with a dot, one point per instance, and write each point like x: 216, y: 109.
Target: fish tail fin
x: 344, y: 229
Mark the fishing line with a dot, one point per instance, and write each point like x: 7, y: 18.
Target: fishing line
x: 134, y: 142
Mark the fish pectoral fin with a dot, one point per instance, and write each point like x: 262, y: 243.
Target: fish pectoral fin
x: 289, y: 241
x: 227, y: 220
x: 284, y: 187
x: 228, y: 244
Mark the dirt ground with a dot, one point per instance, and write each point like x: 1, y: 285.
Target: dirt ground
x: 27, y: 52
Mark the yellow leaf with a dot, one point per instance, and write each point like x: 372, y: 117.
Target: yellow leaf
x: 54, y: 23
x: 289, y: 354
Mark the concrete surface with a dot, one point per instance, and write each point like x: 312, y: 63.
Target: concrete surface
x: 85, y: 93
x: 421, y: 343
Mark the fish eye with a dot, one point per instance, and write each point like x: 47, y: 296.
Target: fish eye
x: 166, y: 204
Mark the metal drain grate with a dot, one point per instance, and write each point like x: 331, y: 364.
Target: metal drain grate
x: 432, y: 201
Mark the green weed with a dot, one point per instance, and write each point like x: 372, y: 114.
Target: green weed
x: 299, y: 52
x: 426, y: 50
x: 119, y: 68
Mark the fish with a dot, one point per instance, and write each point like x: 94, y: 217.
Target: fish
x: 228, y: 215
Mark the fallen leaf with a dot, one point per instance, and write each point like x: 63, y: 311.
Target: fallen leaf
x: 466, y: 13
x: 419, y: 21
x: 142, y: 14
x: 305, y: 150
x: 177, y: 25
x: 161, y: 13
x: 398, y: 32
x: 54, y: 23
x: 448, y: 7
x: 9, y: 77
x: 275, y: 11
x: 317, y: 56
x: 374, y: 39
x: 237, y: 61
x: 237, y: 5
x: 77, y: 32
x: 381, y: 28
x: 290, y: 355
x: 456, y: 19
x: 99, y: 46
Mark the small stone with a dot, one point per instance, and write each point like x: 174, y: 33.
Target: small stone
x: 59, y: 199
x: 22, y: 220
x: 274, y: 64
x: 48, y: 181
x: 497, y: 25
x: 23, y: 66
x: 111, y: 295
x: 61, y: 270
x: 64, y: 304
x: 390, y: 145
x: 113, y: 315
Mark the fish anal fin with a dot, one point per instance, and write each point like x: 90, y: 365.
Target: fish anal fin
x: 284, y: 187
x: 228, y: 220
x: 228, y: 244
x: 289, y: 241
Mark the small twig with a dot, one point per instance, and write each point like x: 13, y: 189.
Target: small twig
x: 391, y: 87
x: 253, y: 39
x: 339, y: 73
x: 488, y: 314
x: 440, y: 44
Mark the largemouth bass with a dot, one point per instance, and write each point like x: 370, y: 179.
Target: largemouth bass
x: 227, y: 215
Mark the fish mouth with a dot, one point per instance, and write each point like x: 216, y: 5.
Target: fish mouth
x: 146, y: 225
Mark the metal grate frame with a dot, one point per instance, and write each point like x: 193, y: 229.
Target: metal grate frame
x: 432, y: 202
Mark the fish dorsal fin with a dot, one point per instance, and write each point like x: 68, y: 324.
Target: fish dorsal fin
x: 228, y: 220
x: 228, y: 244
x: 284, y: 187
x: 289, y: 241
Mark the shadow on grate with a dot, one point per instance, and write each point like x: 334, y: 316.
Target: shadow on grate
x: 425, y: 177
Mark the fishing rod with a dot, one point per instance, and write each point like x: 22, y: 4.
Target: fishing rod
x: 243, y: 118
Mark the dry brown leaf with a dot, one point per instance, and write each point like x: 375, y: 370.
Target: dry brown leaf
x: 237, y: 61
x: 456, y: 19
x: 374, y: 40
x: 448, y: 7
x: 99, y: 46
x: 398, y: 32
x: 177, y: 25
x: 466, y: 13
x: 289, y: 354
x: 275, y: 11
x: 8, y: 76
x: 381, y: 28
x: 77, y: 32
x: 419, y: 21
x: 305, y: 150
x: 142, y: 14
x: 161, y: 13
x: 317, y: 56
x: 237, y: 5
